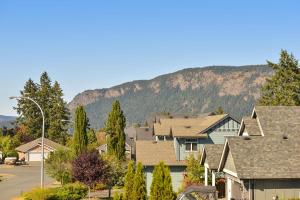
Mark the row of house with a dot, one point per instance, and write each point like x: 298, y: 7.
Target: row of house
x: 259, y: 158
x: 263, y: 161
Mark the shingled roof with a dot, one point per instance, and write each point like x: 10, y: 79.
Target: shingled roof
x: 30, y: 145
x: 211, y: 155
x: 150, y: 153
x: 278, y: 120
x: 190, y: 127
x: 250, y: 126
x: 263, y: 157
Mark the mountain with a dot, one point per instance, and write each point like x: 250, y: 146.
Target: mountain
x: 6, y: 121
x: 189, y: 91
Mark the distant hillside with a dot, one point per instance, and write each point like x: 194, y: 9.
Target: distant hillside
x: 188, y: 91
x: 6, y: 121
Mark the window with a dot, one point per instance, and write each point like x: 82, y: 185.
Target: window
x: 161, y: 138
x: 191, y: 145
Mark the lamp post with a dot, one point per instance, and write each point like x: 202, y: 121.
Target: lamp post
x: 43, y: 135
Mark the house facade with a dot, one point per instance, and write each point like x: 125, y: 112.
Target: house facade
x: 264, y: 163
x: 177, y: 138
x: 32, y: 151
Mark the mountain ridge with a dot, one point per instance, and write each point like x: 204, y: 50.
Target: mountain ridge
x: 181, y: 91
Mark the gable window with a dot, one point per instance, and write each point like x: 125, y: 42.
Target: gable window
x: 191, y: 145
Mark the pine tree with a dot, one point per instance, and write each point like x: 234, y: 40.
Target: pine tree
x: 30, y: 114
x: 80, y: 139
x: 59, y: 114
x: 139, y: 186
x: 161, y: 187
x: 44, y: 98
x: 128, y: 184
x: 114, y: 128
x: 54, y: 107
x: 284, y: 86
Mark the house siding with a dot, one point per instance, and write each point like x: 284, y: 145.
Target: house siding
x: 176, y: 172
x: 284, y: 189
x: 216, y: 135
x: 229, y: 163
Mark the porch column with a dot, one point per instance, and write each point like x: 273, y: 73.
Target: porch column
x: 213, y: 178
x: 206, y: 175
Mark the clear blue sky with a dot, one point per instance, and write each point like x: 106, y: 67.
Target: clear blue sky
x: 94, y: 44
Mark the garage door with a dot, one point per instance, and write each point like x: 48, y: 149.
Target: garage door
x: 34, y: 156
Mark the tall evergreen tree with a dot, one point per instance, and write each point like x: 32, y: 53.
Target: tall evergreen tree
x: 29, y: 113
x: 54, y: 107
x: 284, y: 86
x: 128, y: 183
x: 114, y: 128
x: 80, y: 139
x: 59, y: 114
x: 161, y: 187
x: 139, y: 186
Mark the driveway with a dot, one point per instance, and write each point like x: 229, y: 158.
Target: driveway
x: 18, y: 179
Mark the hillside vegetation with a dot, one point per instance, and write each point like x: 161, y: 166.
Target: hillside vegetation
x: 190, y: 91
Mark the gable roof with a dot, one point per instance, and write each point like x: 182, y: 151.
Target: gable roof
x: 38, y: 142
x: 278, y: 120
x: 250, y: 126
x: 144, y: 133
x: 190, y: 127
x: 263, y: 157
x: 211, y: 155
x: 151, y: 153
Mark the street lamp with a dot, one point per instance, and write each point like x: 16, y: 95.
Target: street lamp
x: 43, y: 135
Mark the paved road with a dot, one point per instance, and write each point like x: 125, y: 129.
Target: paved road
x: 20, y: 179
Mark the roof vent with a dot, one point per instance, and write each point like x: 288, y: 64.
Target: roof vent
x: 171, y: 117
x: 246, y: 138
x: 154, y: 142
x: 186, y: 116
x: 187, y: 126
x: 285, y: 137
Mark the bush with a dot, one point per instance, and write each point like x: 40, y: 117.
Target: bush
x: 12, y: 153
x: 38, y: 194
x: 75, y: 191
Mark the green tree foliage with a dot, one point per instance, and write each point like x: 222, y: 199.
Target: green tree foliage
x: 283, y: 88
x: 80, y: 139
x: 118, y: 196
x: 128, y: 184
x: 8, y: 145
x: 59, y: 115
x: 58, y: 165
x: 194, y: 171
x: 219, y: 111
x: 92, y: 139
x: 161, y: 187
x: 139, y: 186
x: 50, y: 98
x: 114, y: 128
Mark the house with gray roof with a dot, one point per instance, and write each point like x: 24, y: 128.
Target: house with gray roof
x: 210, y: 159
x: 261, y: 168
x: 264, y: 162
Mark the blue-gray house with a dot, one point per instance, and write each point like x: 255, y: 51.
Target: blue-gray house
x: 177, y: 138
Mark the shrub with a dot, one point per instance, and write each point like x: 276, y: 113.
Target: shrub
x: 75, y: 191
x: 12, y: 153
x: 38, y: 194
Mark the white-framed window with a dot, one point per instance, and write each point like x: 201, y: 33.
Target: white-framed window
x: 191, y: 145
